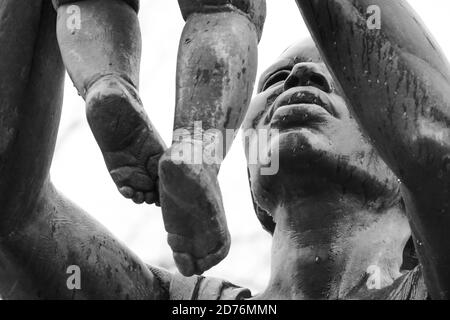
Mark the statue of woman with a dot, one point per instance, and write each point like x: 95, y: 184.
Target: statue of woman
x: 343, y: 196
x: 397, y: 80
x: 334, y: 208
x: 337, y: 211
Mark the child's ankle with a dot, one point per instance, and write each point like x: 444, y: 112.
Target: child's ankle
x: 107, y: 78
x: 195, y: 152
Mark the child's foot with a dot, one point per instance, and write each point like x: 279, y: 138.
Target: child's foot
x: 130, y: 146
x: 193, y: 213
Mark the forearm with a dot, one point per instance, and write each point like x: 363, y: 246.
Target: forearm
x: 217, y: 62
x: 38, y: 254
x: 395, y: 79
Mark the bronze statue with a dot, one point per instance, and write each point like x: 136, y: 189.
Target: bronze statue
x: 339, y: 219
x: 340, y: 214
x: 334, y: 208
x: 396, y: 81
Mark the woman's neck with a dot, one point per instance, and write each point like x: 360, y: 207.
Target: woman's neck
x: 326, y: 249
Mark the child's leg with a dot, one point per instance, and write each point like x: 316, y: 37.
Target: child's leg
x: 101, y: 46
x: 215, y: 77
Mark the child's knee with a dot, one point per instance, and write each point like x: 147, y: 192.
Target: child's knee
x: 255, y: 10
x: 57, y: 3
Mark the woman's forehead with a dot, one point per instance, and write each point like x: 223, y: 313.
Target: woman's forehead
x: 302, y: 51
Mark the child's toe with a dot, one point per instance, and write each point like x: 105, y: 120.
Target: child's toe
x: 150, y: 197
x: 138, y: 197
x: 185, y: 263
x: 127, y: 192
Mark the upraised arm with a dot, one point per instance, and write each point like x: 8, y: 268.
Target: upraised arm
x: 42, y: 234
x: 397, y: 82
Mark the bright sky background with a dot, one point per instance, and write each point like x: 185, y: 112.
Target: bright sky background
x: 79, y: 172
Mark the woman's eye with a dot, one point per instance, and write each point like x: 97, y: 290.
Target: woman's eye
x: 275, y: 78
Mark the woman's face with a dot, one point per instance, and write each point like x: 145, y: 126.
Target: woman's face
x: 319, y: 144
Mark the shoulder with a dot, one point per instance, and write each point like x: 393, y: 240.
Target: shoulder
x: 410, y: 286
x: 205, y: 288
x: 178, y: 287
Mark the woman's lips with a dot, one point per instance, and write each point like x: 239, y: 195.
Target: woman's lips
x: 298, y: 115
x: 300, y: 105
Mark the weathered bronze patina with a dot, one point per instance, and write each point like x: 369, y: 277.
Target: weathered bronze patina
x: 347, y: 197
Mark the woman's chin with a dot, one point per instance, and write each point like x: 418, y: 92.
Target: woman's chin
x: 300, y: 145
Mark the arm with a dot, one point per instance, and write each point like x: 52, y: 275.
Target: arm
x: 38, y: 254
x: 397, y: 82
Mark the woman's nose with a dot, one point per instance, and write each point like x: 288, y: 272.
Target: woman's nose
x: 308, y: 74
